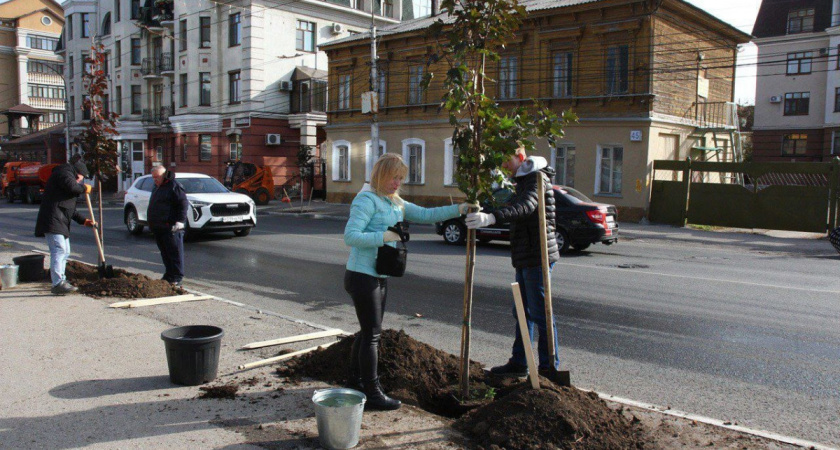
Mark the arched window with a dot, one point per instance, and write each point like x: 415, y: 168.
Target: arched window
x: 106, y: 25
x: 414, y: 155
x: 371, y: 157
x: 341, y: 161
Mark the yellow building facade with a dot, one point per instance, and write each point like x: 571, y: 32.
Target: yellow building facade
x: 649, y: 80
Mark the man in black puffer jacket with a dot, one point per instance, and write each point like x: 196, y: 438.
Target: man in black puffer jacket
x: 58, y: 207
x: 523, y: 215
x: 166, y: 217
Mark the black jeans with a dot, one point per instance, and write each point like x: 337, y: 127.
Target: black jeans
x: 171, y: 246
x: 368, y: 294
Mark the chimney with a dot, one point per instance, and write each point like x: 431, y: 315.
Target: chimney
x: 435, y: 7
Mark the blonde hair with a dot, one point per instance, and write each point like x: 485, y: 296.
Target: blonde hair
x: 388, y: 166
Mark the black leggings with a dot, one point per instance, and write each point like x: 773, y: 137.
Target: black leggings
x: 368, y: 294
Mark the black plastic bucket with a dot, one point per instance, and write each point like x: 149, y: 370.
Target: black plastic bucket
x: 31, y: 267
x: 192, y: 353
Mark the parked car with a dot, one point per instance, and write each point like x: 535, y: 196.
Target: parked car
x: 580, y: 221
x: 213, y: 208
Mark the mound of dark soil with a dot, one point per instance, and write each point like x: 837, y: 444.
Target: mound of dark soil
x: 123, y: 285
x: 224, y: 391
x: 552, y: 417
x: 409, y: 370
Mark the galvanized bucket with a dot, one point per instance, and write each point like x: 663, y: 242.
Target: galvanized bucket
x: 338, y: 412
x: 8, y: 276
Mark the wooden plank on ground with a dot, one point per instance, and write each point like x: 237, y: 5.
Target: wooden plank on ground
x: 291, y: 339
x: 265, y: 362
x: 159, y: 301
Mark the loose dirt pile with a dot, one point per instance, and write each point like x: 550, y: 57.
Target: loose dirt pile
x: 409, y: 370
x: 225, y: 391
x: 123, y: 285
x: 552, y: 417
x: 518, y: 417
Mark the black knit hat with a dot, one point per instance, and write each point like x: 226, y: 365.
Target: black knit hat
x: 81, y: 169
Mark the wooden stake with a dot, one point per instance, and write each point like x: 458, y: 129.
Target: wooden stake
x: 546, y: 271
x: 533, y: 374
x: 265, y: 362
x: 291, y: 339
x: 159, y: 301
x: 309, y: 202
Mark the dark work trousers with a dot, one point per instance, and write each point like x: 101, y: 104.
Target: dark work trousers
x: 171, y: 246
x: 368, y: 294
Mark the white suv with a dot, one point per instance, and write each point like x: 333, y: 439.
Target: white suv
x: 213, y: 207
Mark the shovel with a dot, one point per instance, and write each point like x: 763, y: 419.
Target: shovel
x: 560, y: 377
x: 104, y: 271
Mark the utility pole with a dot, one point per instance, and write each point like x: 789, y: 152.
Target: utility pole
x: 374, y: 87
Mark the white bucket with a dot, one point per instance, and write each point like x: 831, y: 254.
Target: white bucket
x: 338, y: 412
x: 8, y: 275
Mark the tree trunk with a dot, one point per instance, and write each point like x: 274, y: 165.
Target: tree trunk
x: 466, y: 325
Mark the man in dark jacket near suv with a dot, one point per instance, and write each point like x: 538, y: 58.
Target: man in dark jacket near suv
x: 166, y: 217
x: 523, y: 215
x: 58, y: 206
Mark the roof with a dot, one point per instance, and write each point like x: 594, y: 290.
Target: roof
x: 308, y: 73
x: 23, y: 109
x: 530, y: 6
x: 34, y: 138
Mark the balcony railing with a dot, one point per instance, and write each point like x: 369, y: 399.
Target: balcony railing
x: 46, y: 103
x: 156, y: 116
x: 157, y: 66
x: 716, y: 114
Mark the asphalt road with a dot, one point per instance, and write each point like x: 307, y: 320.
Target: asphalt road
x: 747, y: 333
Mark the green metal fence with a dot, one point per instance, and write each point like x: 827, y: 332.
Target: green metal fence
x: 778, y: 196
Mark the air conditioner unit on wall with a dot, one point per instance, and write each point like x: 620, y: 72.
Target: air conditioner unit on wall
x: 337, y: 28
x: 775, y: 99
x: 285, y: 86
x: 273, y: 139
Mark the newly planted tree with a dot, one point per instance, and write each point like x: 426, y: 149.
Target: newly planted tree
x: 97, y: 138
x: 486, y: 134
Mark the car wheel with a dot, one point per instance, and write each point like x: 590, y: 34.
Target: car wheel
x: 10, y: 195
x: 131, y: 222
x: 454, y: 232
x: 562, y: 240
x: 580, y: 247
x: 242, y: 232
x: 261, y: 197
x: 25, y: 196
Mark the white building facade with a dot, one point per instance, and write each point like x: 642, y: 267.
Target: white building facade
x: 198, y: 83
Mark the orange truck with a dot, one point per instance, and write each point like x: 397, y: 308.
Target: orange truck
x: 25, y: 180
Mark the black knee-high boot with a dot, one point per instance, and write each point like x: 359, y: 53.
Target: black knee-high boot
x: 354, y: 375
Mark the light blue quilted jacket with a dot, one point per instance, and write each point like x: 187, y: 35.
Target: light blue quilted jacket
x: 370, y: 217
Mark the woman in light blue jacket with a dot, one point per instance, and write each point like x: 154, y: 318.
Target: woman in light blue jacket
x: 376, y: 207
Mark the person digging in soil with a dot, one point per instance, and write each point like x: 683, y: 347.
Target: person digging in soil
x: 377, y: 207
x: 58, y: 206
x: 167, y: 214
x: 523, y: 215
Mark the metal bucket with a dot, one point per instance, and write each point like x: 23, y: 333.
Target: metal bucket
x: 339, y: 415
x: 8, y: 276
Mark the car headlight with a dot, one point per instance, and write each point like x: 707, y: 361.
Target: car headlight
x: 196, y: 203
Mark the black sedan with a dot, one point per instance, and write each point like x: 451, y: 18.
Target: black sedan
x: 580, y: 222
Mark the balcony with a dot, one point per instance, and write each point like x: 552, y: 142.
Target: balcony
x: 47, y: 103
x: 156, y: 14
x: 156, y: 117
x: 722, y: 115
x: 157, y: 66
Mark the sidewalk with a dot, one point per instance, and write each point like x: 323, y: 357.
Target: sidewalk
x: 75, y: 373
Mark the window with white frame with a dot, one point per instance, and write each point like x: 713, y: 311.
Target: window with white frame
x: 341, y: 161
x: 508, y: 70
x: 450, y: 163
x: 414, y: 151
x: 235, y: 151
x: 564, y: 164
x: 371, y: 157
x: 608, y: 175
